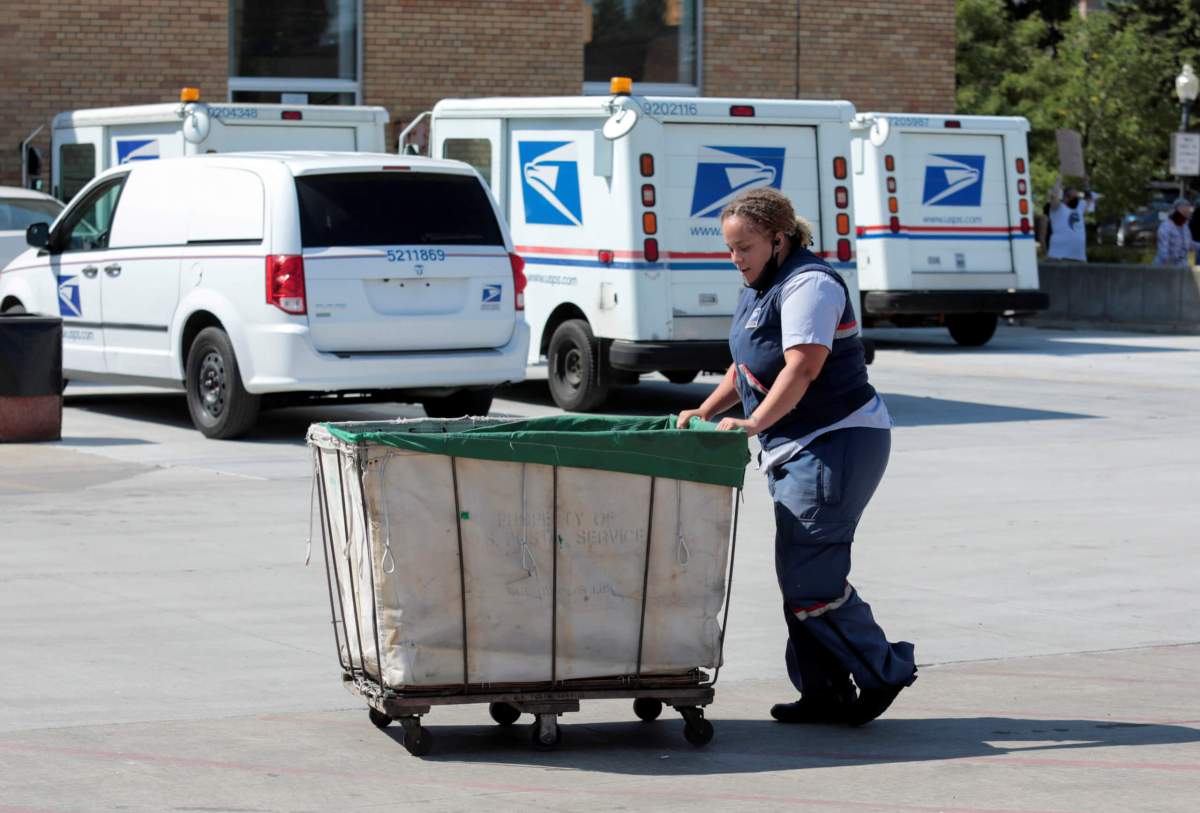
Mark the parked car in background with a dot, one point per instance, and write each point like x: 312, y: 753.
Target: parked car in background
x: 19, y: 208
x: 260, y: 279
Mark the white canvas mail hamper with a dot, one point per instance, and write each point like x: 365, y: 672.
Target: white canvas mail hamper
x: 494, y: 552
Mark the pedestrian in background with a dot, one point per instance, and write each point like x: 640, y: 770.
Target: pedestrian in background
x: 1174, y: 236
x: 1068, y: 236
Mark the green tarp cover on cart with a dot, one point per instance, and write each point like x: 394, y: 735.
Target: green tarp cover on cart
x: 650, y: 446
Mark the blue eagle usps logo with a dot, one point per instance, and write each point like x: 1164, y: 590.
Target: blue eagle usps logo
x: 953, y: 180
x: 550, y: 183
x: 69, y: 303
x: 137, y: 149
x: 492, y: 294
x: 723, y: 172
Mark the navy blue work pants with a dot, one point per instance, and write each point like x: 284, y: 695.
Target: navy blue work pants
x: 819, y: 496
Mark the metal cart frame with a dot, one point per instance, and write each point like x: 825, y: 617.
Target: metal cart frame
x: 687, y: 693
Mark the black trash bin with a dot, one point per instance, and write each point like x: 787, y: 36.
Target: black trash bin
x: 31, y: 379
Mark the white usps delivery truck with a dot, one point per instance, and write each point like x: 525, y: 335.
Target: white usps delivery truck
x: 84, y: 143
x: 944, y: 213
x: 614, y: 205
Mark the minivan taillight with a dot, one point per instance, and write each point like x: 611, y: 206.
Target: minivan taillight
x: 518, y: 269
x: 285, y: 283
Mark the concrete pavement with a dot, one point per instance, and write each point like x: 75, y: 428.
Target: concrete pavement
x: 166, y: 649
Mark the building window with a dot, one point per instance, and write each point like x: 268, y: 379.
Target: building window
x: 295, y: 52
x: 656, y: 42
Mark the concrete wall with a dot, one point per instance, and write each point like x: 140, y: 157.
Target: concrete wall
x: 1142, y: 297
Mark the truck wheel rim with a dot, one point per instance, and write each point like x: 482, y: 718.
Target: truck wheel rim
x: 572, y: 372
x: 212, y: 384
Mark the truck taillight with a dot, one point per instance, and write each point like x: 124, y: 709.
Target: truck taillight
x: 954, y: 124
x: 519, y: 281
x: 843, y: 250
x: 889, y: 163
x: 647, y: 194
x: 1021, y: 187
x: 605, y: 256
x: 893, y: 205
x: 743, y: 110
x: 1021, y: 165
x: 649, y: 223
x: 894, y: 224
x: 650, y: 249
x: 1023, y: 206
x: 841, y: 196
x: 285, y: 283
x: 1025, y: 225
x: 839, y: 168
x: 291, y: 115
x: 646, y: 164
x: 891, y: 186
x: 843, y: 223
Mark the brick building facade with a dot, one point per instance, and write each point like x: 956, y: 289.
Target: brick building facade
x: 68, y: 54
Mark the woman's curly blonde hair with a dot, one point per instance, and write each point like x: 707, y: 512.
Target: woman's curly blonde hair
x: 769, y: 211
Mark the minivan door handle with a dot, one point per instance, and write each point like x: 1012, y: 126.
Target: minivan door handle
x: 91, y: 271
x: 113, y: 270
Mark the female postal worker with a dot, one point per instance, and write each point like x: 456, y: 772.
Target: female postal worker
x: 799, y: 371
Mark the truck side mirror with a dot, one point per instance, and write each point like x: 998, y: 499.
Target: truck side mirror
x: 38, y: 235
x: 33, y: 160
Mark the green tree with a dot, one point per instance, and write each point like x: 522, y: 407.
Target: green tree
x: 1108, y: 75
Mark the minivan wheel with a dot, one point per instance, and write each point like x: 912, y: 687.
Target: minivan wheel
x: 972, y: 329
x: 219, y: 405
x: 681, y: 376
x: 459, y: 404
x: 579, y: 376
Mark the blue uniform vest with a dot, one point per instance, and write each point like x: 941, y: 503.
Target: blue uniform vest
x: 756, y: 343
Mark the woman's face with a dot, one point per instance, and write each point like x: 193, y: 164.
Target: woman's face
x: 749, y: 248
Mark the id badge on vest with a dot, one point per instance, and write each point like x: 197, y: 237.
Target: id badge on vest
x: 752, y: 322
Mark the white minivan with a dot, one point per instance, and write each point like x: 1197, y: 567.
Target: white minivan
x: 257, y: 278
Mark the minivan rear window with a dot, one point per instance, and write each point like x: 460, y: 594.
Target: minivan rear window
x: 395, y: 208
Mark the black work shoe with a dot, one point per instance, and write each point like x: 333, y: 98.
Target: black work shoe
x: 871, y: 703
x: 829, y: 706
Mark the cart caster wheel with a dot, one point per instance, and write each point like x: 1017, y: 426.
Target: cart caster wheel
x: 647, y: 708
x: 380, y: 719
x: 418, y: 741
x: 696, y: 729
x: 504, y: 713
x: 546, y: 733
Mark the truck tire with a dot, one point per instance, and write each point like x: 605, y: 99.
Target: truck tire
x: 579, y: 376
x: 219, y: 405
x: 459, y: 404
x: 15, y: 310
x: 972, y: 329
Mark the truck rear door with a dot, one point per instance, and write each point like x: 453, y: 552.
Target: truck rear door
x: 403, y: 260
x: 954, y: 206
x: 705, y: 167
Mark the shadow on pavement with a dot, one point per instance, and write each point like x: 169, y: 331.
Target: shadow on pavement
x: 764, y: 746
x: 915, y: 410
x: 1048, y: 343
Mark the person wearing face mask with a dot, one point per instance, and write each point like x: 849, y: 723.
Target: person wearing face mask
x: 1068, y: 237
x: 1174, y: 236
x: 800, y: 375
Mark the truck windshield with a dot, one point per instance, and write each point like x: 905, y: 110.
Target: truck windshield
x: 395, y: 208
x: 16, y: 214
